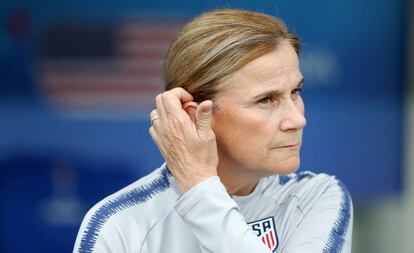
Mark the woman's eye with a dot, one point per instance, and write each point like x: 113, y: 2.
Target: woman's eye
x: 265, y: 100
x: 296, y: 92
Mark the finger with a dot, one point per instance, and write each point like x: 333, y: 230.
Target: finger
x: 174, y: 99
x: 155, y: 121
x: 172, y: 104
x: 153, y: 114
x: 203, y: 118
x: 183, y: 95
x: 173, y: 111
x: 157, y: 140
x: 160, y: 107
x: 190, y: 109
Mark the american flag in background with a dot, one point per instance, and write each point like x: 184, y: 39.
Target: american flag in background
x: 105, y: 70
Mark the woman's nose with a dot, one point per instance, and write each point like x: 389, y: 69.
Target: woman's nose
x: 294, y: 118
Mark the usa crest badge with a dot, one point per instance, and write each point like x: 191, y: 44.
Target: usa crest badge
x: 265, y: 229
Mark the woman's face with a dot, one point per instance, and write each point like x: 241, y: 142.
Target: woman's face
x: 258, y: 116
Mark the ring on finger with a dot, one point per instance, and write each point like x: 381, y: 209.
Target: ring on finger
x: 153, y: 119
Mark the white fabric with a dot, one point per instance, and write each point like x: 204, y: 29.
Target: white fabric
x: 311, y: 212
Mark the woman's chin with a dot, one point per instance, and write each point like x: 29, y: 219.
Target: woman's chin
x: 288, y: 167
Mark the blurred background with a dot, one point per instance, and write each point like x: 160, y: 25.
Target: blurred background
x: 78, y: 78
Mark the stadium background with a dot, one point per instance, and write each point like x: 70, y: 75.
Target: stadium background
x: 77, y: 80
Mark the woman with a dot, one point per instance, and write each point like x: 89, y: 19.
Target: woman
x: 230, y: 129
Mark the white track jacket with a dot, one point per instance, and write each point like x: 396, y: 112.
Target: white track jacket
x: 300, y: 213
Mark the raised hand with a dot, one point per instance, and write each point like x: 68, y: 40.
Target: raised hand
x: 188, y: 146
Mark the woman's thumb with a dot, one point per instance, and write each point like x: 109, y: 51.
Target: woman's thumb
x: 203, y: 115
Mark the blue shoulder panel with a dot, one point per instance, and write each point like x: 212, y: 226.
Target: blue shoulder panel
x: 124, y: 201
x: 338, y: 233
x: 297, y: 176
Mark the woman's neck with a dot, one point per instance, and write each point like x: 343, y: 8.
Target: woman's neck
x: 237, y: 182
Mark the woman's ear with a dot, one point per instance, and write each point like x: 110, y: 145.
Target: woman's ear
x: 190, y: 108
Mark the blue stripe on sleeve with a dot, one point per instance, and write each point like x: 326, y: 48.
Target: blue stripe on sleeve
x: 303, y: 175
x: 339, y: 231
x: 284, y: 179
x: 297, y: 176
x: 124, y: 201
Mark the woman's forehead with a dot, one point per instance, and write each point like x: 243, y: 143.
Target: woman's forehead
x: 281, y: 66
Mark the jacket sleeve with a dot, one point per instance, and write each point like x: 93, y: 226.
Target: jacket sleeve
x: 214, y: 218
x: 95, y: 235
x: 326, y: 225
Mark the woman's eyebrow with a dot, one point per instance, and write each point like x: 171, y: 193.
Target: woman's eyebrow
x: 276, y: 92
x: 300, y: 83
x: 269, y: 93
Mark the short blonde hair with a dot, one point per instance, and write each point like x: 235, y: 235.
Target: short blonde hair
x: 218, y: 43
